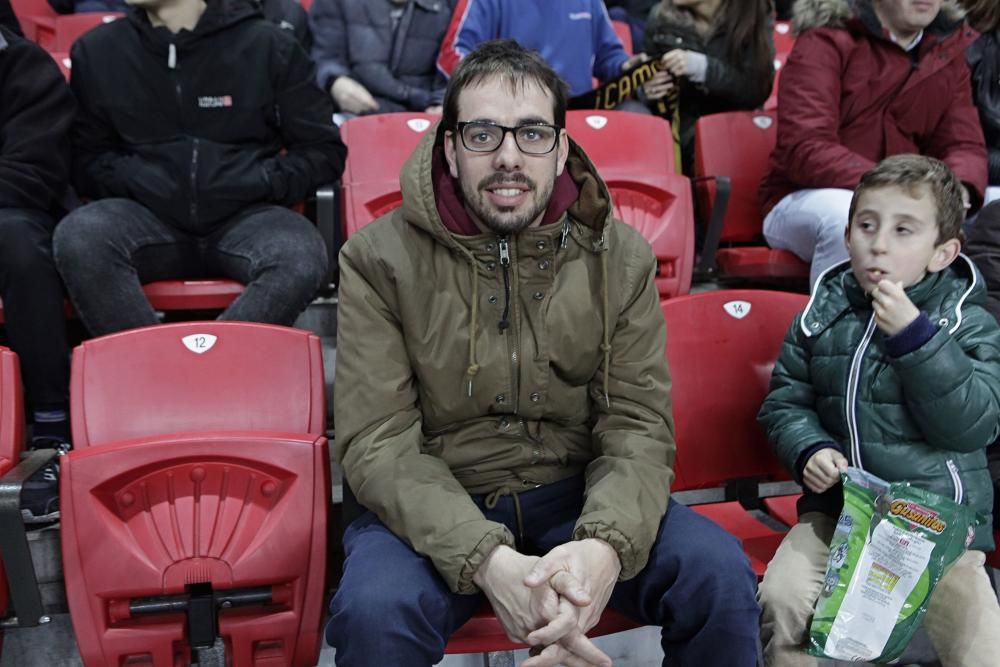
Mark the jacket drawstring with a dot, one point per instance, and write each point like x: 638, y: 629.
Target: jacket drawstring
x: 491, y: 502
x: 474, y: 314
x: 172, y: 57
x: 605, y: 341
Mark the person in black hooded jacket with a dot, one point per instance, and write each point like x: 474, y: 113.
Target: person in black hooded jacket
x: 36, y: 111
x: 984, y: 60
x: 198, y: 126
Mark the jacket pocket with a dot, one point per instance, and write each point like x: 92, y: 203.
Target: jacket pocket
x: 228, y: 179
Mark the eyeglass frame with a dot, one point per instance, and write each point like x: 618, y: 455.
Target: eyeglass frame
x: 461, y: 125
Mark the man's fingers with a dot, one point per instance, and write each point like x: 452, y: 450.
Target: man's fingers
x: 550, y: 656
x: 568, y: 586
x: 580, y: 645
x: 557, y: 628
x: 541, y: 573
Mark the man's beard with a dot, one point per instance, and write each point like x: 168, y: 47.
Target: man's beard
x: 498, y: 219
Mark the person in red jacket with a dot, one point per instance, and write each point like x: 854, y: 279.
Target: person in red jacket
x: 866, y: 79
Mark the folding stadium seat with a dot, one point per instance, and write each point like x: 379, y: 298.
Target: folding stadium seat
x: 731, y: 154
x: 378, y: 145
x: 624, y: 32
x: 722, y: 346
x: 192, y: 294
x: 771, y: 103
x: 634, y: 154
x: 194, y: 503
x: 62, y: 59
x: 59, y: 33
x: 11, y: 442
x: 784, y: 38
x: 29, y: 11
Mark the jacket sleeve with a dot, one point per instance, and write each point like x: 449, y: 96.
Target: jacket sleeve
x: 628, y: 481
x: 375, y: 75
x: 808, y: 117
x: 314, y: 154
x: 101, y: 167
x: 34, y: 140
x: 329, y: 49
x: 951, y: 384
x: 958, y: 139
x: 738, y: 86
x: 380, y: 436
x: 788, y: 414
x: 472, y: 23
x: 609, y: 54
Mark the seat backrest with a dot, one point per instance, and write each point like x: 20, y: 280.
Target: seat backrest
x: 378, y: 146
x: 722, y: 347
x: 25, y: 8
x: 784, y: 38
x: 622, y: 142
x: 60, y: 34
x: 736, y: 144
x: 624, y: 32
x: 196, y: 377
x: 11, y: 433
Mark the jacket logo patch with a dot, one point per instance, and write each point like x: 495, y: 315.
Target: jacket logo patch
x: 199, y: 343
x: 215, y: 101
x: 580, y: 16
x: 737, y: 309
x: 418, y: 124
x: 597, y: 122
x: 763, y: 122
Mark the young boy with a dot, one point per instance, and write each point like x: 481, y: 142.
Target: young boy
x: 894, y: 367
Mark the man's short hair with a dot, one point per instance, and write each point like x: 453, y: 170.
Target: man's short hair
x: 509, y: 60
x: 911, y: 173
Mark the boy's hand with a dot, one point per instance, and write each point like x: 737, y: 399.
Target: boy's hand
x: 893, y: 309
x: 822, y: 469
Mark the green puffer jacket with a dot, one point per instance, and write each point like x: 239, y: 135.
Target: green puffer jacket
x: 433, y: 402
x: 925, y: 417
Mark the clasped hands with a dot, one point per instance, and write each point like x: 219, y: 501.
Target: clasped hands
x: 550, y: 602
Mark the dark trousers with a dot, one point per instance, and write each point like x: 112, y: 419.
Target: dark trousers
x: 108, y: 249
x: 33, y: 305
x: 392, y: 607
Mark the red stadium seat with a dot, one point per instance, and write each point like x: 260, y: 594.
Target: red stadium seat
x: 784, y: 38
x: 59, y: 33
x: 378, y: 145
x: 29, y: 11
x: 11, y: 436
x: 192, y: 294
x: 634, y: 154
x: 771, y: 103
x: 731, y: 155
x: 194, y: 503
x: 993, y: 559
x: 62, y: 59
x: 624, y: 32
x: 722, y: 346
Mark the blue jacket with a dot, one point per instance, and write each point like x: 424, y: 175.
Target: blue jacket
x: 574, y: 36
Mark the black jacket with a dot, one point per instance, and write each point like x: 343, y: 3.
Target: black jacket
x: 356, y: 38
x: 36, y: 112
x: 984, y: 59
x: 193, y: 125
x: 8, y: 19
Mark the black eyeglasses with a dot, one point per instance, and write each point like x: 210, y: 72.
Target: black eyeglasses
x: 532, y: 138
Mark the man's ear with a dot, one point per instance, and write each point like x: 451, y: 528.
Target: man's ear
x: 944, y: 254
x: 562, y: 152
x: 450, y: 153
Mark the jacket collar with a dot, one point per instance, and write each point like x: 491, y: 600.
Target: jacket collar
x: 941, y: 295
x: 841, y: 13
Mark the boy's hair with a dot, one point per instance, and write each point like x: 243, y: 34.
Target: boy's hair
x: 911, y: 172
x: 512, y: 62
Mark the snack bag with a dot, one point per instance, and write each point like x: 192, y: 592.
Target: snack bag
x: 892, y: 544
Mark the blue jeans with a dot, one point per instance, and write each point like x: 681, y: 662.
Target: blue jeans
x: 108, y: 249
x: 392, y: 607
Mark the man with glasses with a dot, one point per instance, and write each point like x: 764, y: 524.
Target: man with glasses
x: 503, y: 409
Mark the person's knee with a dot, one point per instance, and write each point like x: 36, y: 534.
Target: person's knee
x: 368, y: 611
x: 80, y: 236
x: 298, y: 252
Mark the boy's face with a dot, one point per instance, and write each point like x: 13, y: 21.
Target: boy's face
x: 893, y: 236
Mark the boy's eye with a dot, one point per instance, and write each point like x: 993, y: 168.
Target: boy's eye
x: 903, y: 230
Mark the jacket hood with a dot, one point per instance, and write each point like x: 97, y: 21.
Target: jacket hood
x: 592, y: 207
x: 219, y: 15
x: 941, y: 295
x: 808, y: 14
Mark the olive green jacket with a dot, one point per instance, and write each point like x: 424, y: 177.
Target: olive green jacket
x: 925, y: 417
x: 433, y: 402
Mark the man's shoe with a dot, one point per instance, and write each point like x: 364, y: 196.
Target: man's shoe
x: 40, y: 492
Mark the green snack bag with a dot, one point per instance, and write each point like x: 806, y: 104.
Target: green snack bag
x: 892, y: 545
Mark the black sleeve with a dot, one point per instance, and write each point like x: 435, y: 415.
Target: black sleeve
x: 315, y: 154
x: 37, y: 112
x: 8, y: 18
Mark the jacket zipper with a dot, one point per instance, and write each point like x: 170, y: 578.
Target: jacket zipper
x: 853, y: 382
x: 504, y: 251
x: 956, y: 479
x: 194, y: 181
x: 565, y: 234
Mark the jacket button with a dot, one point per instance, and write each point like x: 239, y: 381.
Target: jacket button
x: 544, y: 264
x: 538, y: 296
x: 492, y: 298
x: 814, y: 325
x: 489, y: 247
x: 491, y: 266
x: 500, y: 398
x: 504, y: 423
x: 535, y: 397
x: 540, y: 245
